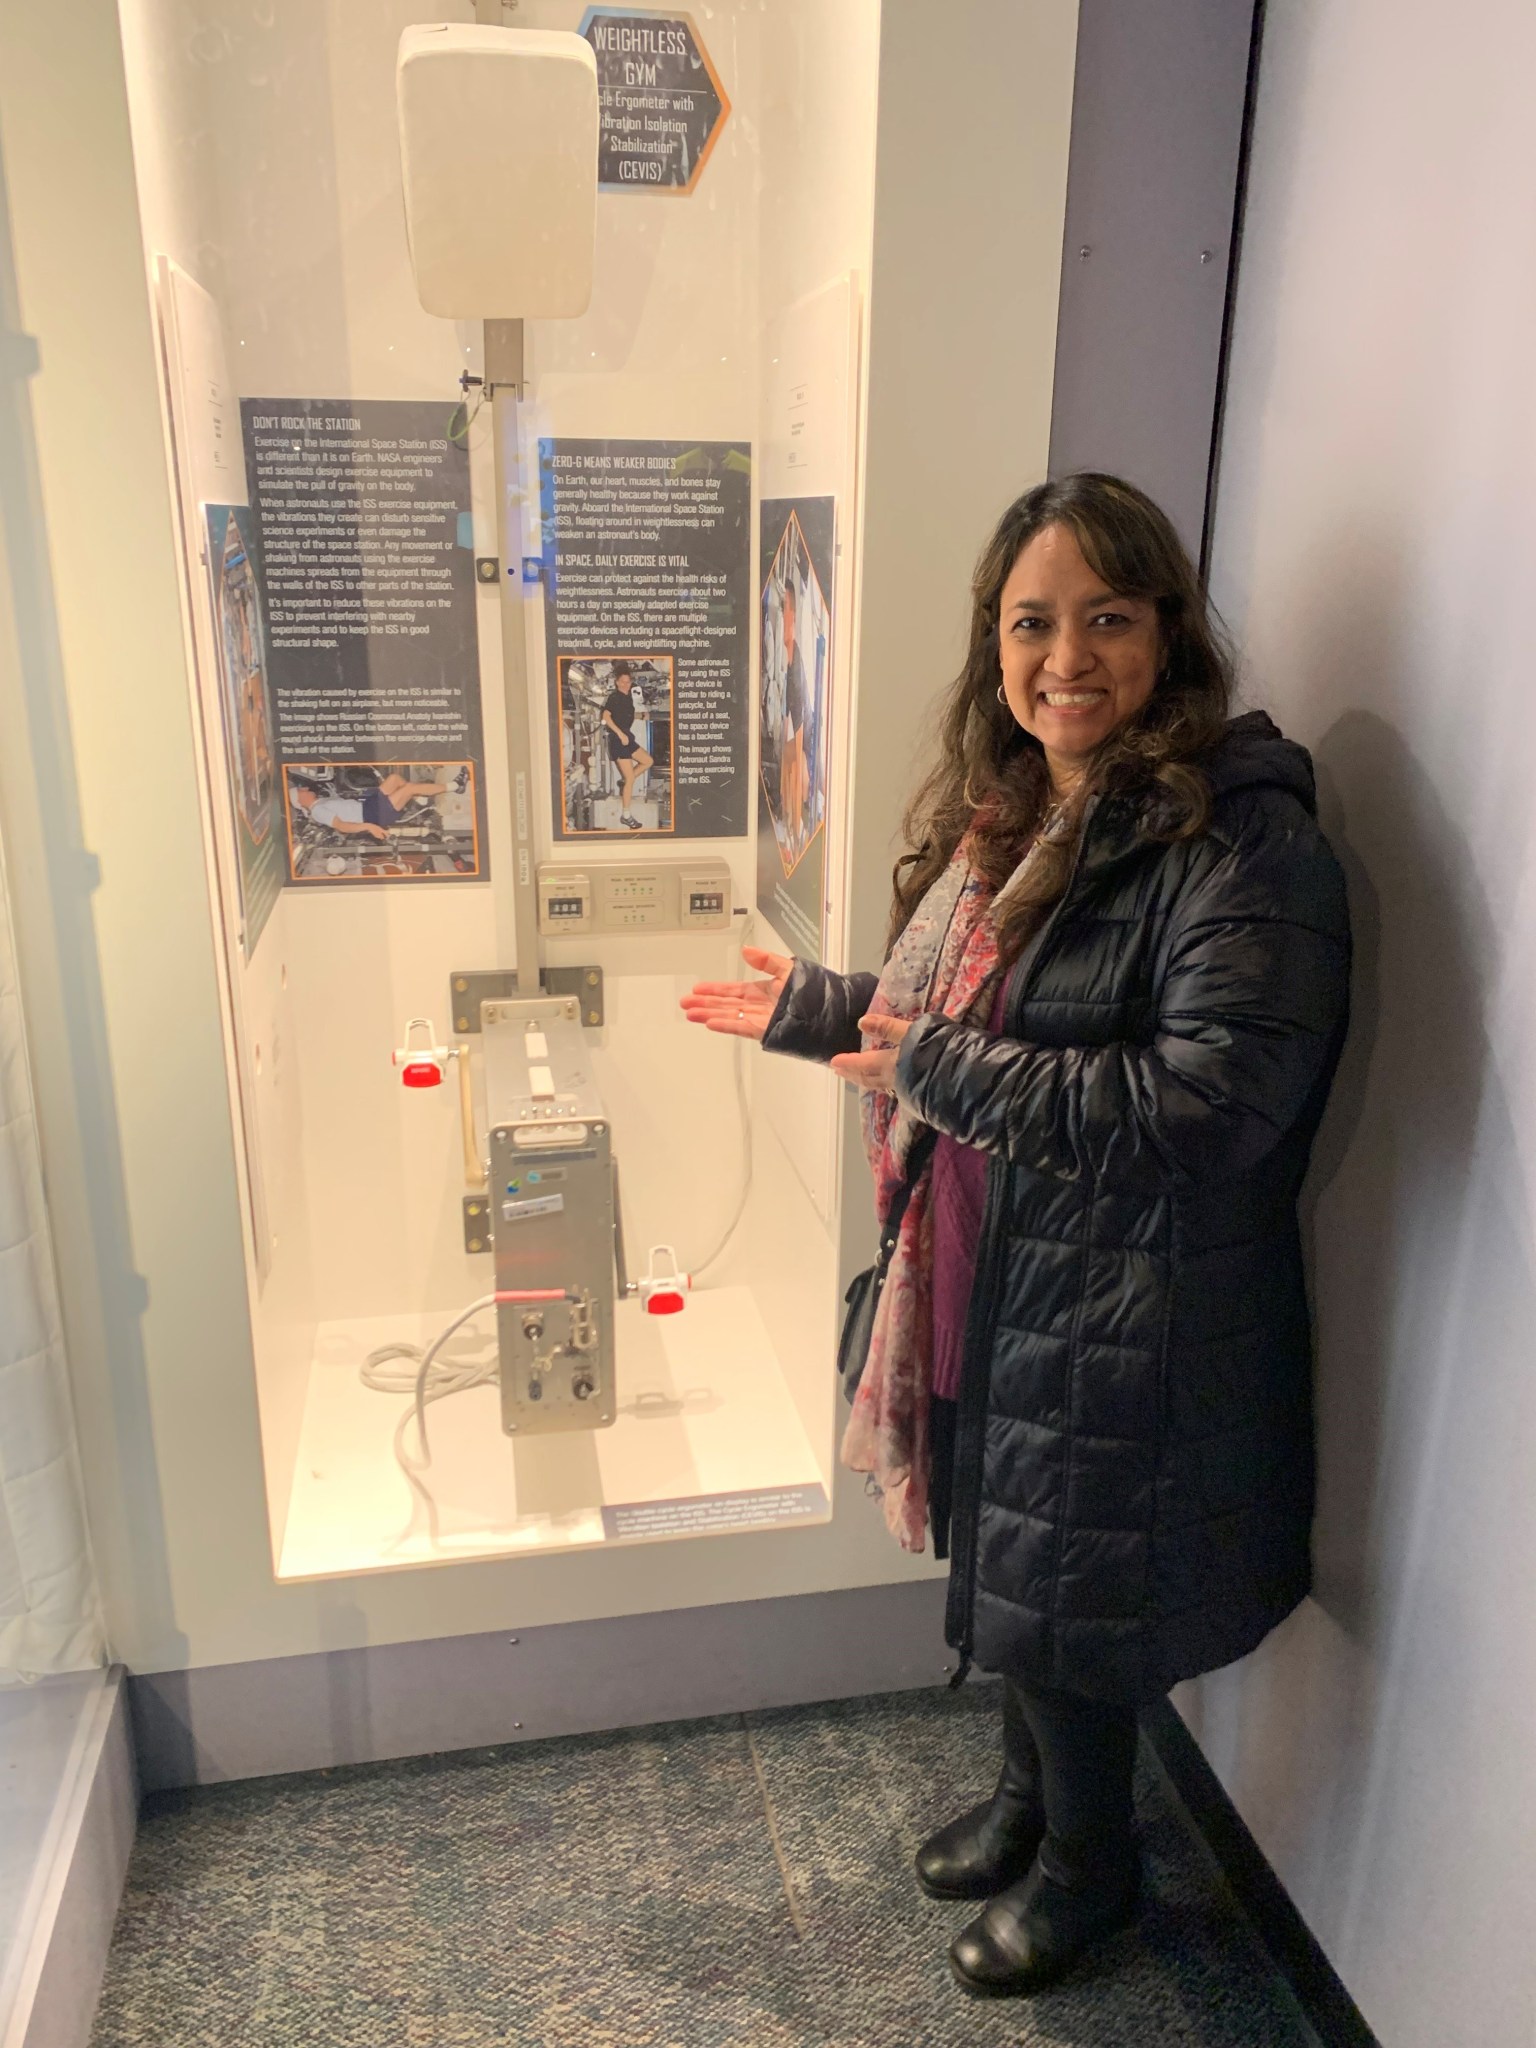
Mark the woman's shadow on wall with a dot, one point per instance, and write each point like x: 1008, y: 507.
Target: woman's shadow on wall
x: 1389, y: 1232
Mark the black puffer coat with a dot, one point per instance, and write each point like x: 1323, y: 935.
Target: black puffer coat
x: 1134, y: 1466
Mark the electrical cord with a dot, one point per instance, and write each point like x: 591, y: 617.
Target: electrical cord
x: 459, y: 433
x: 744, y: 1118
x: 418, y: 1373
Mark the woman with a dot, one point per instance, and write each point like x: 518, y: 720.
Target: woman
x: 1116, y: 992
x: 374, y: 813
x: 624, y: 750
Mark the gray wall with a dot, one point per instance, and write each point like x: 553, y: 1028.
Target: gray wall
x: 1374, y: 541
x: 1157, y: 119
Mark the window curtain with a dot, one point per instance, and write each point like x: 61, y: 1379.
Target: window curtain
x: 50, y: 1615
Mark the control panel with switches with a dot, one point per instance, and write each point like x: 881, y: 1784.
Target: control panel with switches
x: 639, y: 896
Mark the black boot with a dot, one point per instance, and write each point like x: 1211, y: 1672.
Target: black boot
x: 1033, y: 1933
x: 994, y: 1844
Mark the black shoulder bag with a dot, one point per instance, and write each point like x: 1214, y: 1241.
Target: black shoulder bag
x: 864, y: 1290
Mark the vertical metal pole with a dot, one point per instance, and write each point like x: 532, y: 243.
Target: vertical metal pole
x: 504, y: 383
x: 503, y: 388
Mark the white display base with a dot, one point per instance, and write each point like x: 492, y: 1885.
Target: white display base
x: 708, y: 1440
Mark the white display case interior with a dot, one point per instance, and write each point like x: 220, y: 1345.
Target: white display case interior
x: 269, y: 168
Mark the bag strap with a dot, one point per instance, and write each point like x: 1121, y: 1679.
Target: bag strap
x: 921, y: 1152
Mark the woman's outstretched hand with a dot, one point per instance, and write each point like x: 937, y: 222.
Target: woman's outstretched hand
x: 740, y: 1008
x: 875, y: 1070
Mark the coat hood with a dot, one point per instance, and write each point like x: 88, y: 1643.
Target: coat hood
x: 1254, y: 753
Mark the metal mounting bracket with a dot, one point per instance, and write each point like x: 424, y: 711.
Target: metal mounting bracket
x: 467, y: 991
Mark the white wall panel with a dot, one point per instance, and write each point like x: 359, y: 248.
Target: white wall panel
x: 1373, y: 548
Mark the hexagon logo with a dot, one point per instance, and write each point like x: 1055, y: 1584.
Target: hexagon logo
x: 660, y: 100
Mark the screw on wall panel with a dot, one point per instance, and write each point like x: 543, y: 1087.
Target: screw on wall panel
x: 514, y: 1640
x: 1084, y: 253
x: 591, y: 981
x: 594, y: 1017
x: 517, y: 1724
x: 460, y: 983
x: 461, y: 1023
x: 1205, y: 255
x: 476, y: 1244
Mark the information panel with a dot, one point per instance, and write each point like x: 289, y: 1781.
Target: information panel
x: 715, y: 1514
x: 660, y: 100
x: 794, y: 717
x: 368, y: 573
x: 245, y: 714
x: 647, y: 590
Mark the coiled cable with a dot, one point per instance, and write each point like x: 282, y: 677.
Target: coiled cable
x: 407, y: 1369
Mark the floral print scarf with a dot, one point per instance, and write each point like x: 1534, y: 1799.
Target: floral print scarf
x: 946, y: 961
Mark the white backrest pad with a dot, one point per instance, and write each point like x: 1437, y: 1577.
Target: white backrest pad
x: 498, y: 146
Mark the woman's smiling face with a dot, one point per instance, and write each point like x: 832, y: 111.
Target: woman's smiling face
x: 1077, y: 659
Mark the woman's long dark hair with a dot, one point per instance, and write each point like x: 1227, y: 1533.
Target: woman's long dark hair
x: 991, y: 778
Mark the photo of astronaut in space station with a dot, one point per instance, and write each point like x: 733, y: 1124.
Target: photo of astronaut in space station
x: 797, y: 633
x: 616, y: 743
x: 245, y: 722
x: 374, y: 821
x: 243, y: 673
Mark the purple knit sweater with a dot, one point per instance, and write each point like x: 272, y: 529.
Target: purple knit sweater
x: 958, y: 1194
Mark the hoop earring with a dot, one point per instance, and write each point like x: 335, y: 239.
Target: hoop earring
x: 1002, y: 694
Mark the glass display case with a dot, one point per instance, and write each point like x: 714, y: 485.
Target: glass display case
x: 523, y: 688
x: 406, y: 689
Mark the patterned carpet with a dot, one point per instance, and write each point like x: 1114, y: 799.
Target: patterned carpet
x: 701, y: 1885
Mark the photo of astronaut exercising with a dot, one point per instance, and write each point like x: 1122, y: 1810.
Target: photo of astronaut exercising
x: 380, y: 821
x: 624, y: 750
x: 616, y: 742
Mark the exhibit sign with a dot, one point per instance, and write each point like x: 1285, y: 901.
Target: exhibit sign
x: 367, y: 572
x: 209, y: 471
x: 797, y: 554
x: 715, y: 1514
x: 660, y: 101
x: 644, y: 559
x: 245, y: 716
